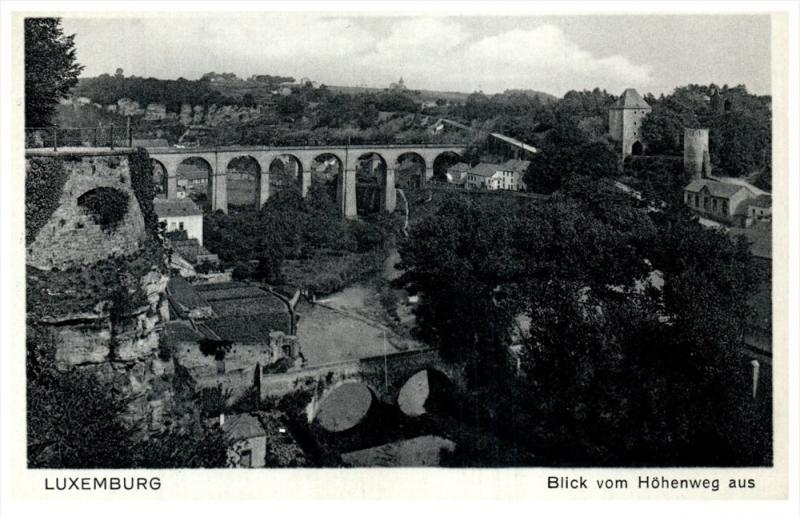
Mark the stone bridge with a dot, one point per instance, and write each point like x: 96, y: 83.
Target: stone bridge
x: 383, y: 375
x: 219, y: 158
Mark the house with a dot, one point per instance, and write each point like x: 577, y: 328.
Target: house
x: 478, y: 177
x: 726, y: 202
x: 457, y: 173
x: 192, y: 177
x: 180, y: 214
x: 250, y: 324
x: 190, y: 249
x: 258, y: 439
x: 504, y: 176
x: 759, y: 209
x: 247, y: 438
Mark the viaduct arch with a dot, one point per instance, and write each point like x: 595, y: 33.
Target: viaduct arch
x: 219, y: 158
x: 246, y: 165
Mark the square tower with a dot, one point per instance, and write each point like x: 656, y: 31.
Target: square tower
x: 625, y: 121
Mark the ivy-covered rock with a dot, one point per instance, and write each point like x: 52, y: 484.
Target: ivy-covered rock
x: 44, y: 183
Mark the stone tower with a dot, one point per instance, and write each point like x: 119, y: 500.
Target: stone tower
x: 696, y: 160
x: 625, y: 121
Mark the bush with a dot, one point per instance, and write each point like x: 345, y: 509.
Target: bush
x: 367, y: 236
x: 44, y: 182
x: 205, y: 268
x: 242, y: 271
x: 107, y: 206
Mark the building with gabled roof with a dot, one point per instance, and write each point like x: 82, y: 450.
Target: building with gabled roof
x: 180, y: 214
x: 457, y: 173
x: 247, y: 438
x: 498, y: 176
x: 732, y: 203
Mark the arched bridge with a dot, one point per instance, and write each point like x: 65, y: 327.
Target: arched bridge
x: 385, y: 376
x: 218, y: 159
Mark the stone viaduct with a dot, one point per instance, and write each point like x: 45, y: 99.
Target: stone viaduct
x: 218, y: 159
x: 383, y: 375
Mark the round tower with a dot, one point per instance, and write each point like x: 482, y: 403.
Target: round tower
x: 695, y: 151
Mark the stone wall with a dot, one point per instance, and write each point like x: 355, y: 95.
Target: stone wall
x: 71, y: 235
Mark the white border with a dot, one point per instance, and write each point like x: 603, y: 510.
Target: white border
x: 9, y: 301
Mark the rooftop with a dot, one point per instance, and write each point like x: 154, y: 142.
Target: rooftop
x: 485, y: 169
x: 762, y: 201
x: 242, y: 426
x: 715, y: 188
x: 459, y: 167
x: 185, y: 298
x: 175, y: 207
x: 630, y: 99
x: 514, y: 142
x: 248, y: 329
x: 177, y: 332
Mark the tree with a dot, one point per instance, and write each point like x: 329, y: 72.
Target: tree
x: 77, y: 420
x: 568, y: 152
x: 71, y: 417
x: 50, y: 68
x: 609, y: 347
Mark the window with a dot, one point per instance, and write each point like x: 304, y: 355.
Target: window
x: 246, y: 458
x: 714, y: 204
x: 180, y: 226
x: 696, y: 201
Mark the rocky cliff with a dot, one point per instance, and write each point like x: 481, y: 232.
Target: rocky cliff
x: 96, y: 270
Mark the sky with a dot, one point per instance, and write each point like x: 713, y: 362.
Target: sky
x: 553, y: 54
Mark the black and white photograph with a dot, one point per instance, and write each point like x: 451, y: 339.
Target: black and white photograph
x: 278, y: 240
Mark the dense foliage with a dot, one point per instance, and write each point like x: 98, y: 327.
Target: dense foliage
x: 108, y: 89
x: 141, y: 169
x: 621, y: 318
x: 290, y: 230
x: 105, y: 205
x: 740, y: 126
x: 50, y: 68
x: 44, y: 183
x: 76, y: 421
x: 567, y: 152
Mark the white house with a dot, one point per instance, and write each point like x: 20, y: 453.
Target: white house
x: 180, y: 214
x: 498, y: 176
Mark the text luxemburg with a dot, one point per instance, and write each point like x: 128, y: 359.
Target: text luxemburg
x: 67, y: 483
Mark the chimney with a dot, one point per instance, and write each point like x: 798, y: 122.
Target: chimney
x: 221, y: 419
